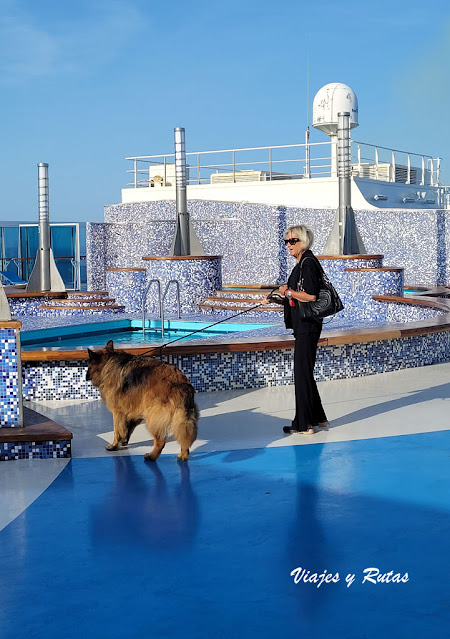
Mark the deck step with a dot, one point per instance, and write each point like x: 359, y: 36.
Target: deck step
x: 64, y: 302
x: 244, y: 300
x: 239, y: 307
x: 252, y: 286
x: 78, y: 307
x: 39, y: 438
x: 253, y: 294
x: 86, y: 294
x: 241, y: 297
x: 116, y: 308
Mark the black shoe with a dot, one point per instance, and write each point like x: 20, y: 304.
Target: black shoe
x: 289, y: 429
x: 306, y: 431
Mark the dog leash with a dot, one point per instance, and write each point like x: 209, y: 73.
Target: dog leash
x: 160, y: 348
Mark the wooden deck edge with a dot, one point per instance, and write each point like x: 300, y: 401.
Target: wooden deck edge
x: 414, y: 301
x: 36, y: 428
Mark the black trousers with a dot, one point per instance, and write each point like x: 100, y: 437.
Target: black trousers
x: 308, y: 405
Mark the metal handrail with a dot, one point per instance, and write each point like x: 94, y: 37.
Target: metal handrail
x: 161, y: 311
x: 178, y: 296
x: 432, y: 164
x: 232, y: 167
x: 250, y: 148
x: 426, y: 171
x: 161, y: 299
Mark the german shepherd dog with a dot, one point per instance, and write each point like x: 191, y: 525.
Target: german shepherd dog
x: 137, y: 388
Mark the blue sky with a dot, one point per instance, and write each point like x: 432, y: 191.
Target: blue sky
x: 86, y: 84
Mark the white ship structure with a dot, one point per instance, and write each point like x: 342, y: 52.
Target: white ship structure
x: 393, y: 198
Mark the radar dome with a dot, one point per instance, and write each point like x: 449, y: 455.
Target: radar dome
x: 330, y: 100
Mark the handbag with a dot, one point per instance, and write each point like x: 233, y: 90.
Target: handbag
x: 328, y: 301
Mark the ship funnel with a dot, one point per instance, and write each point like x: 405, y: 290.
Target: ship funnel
x: 45, y: 275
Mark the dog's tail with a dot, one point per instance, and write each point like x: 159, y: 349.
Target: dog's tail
x: 187, y: 392
x: 185, y: 418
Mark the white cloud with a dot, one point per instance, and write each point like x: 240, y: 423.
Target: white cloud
x: 32, y: 50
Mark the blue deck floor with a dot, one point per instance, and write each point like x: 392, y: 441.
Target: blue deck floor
x: 116, y: 547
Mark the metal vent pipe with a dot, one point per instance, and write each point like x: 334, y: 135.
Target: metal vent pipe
x: 45, y: 275
x: 344, y: 238
x: 185, y: 240
x: 44, y: 226
x: 181, y: 198
x: 343, y: 171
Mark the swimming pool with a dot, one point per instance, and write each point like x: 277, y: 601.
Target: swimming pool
x: 127, y: 333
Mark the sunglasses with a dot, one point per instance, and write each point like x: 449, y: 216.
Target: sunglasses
x: 292, y: 241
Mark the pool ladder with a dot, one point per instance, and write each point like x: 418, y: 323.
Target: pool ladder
x: 161, y: 299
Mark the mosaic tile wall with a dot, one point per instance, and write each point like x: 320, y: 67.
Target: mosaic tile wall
x: 369, y: 311
x: 35, y: 450
x: 226, y: 371
x: 123, y: 246
x: 356, y: 289
x: 26, y: 306
x: 249, y: 238
x: 10, y: 400
x: 335, y: 269
x: 127, y: 288
x: 57, y: 380
x: 22, y: 307
x: 197, y: 279
x: 389, y: 232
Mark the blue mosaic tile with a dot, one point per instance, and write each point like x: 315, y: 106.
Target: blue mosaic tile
x: 123, y: 246
x: 57, y: 380
x: 10, y: 400
x: 80, y: 311
x: 146, y: 228
x: 197, y: 279
x: 225, y: 371
x: 127, y: 288
x: 35, y: 450
x: 26, y: 306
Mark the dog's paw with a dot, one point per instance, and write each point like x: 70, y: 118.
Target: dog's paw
x: 150, y: 457
x: 183, y: 456
x: 111, y: 447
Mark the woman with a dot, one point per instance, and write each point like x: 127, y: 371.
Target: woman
x: 303, y: 286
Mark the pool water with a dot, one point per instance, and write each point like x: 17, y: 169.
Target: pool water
x: 127, y: 333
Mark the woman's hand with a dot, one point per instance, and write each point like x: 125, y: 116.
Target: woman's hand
x: 265, y: 301
x: 282, y: 290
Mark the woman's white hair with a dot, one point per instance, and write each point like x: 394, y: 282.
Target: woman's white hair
x: 304, y: 233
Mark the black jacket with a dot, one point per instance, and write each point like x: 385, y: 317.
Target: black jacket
x: 306, y: 276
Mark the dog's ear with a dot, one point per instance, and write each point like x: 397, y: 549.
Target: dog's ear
x: 93, y: 356
x: 110, y: 346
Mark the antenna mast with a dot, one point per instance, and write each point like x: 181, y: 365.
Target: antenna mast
x: 307, y: 83
x: 307, y: 169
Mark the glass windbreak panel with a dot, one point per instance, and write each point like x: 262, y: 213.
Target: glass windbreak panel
x: 29, y: 244
x: 63, y: 243
x: 83, y: 273
x: 10, y: 249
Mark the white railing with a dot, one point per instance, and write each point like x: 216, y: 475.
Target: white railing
x: 443, y: 193
x: 285, y: 162
x: 392, y: 165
